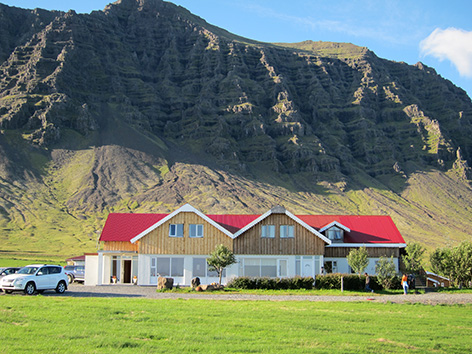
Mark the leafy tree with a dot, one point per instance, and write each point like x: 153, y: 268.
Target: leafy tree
x: 441, y: 262
x: 219, y: 259
x: 413, y: 259
x: 461, y: 257
x: 455, y: 263
x: 358, y: 260
x: 386, y: 272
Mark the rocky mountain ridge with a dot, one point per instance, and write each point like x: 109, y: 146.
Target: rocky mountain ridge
x: 144, y: 106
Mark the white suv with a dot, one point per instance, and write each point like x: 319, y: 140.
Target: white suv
x: 36, y: 277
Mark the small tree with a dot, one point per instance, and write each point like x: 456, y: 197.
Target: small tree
x: 455, y: 263
x: 441, y: 262
x: 413, y: 259
x: 358, y: 260
x: 461, y: 258
x: 386, y: 273
x: 219, y: 259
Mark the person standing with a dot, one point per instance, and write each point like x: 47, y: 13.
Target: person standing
x: 405, y: 284
x: 367, y: 283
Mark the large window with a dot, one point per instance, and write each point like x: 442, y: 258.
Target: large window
x: 176, y: 230
x: 196, y: 230
x: 268, y: 231
x: 286, y: 231
x: 167, y: 266
x: 200, y: 269
x: 268, y: 267
x: 264, y: 267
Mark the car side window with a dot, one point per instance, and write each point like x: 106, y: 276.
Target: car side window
x: 43, y: 271
x: 55, y: 270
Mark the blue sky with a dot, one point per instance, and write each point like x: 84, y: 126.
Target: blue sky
x: 437, y: 33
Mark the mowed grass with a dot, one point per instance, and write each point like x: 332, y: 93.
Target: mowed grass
x: 42, y: 324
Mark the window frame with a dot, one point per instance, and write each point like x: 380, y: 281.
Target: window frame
x: 289, y: 231
x: 176, y: 230
x: 197, y: 228
x: 267, y: 231
x: 336, y: 233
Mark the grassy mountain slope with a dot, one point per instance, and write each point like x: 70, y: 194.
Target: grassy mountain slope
x: 143, y: 107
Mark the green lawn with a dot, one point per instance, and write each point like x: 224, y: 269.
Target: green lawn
x: 42, y: 324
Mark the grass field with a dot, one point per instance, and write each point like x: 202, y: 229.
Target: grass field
x: 98, y: 325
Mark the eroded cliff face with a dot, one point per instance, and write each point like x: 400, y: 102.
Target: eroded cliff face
x: 143, y: 106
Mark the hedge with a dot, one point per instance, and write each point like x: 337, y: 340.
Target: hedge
x: 351, y: 282
x: 328, y: 281
x: 271, y: 283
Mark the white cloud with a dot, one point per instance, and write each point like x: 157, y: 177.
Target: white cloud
x: 452, y: 44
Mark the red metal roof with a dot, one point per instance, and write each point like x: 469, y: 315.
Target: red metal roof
x: 123, y: 227
x: 364, y: 229
x: 233, y: 223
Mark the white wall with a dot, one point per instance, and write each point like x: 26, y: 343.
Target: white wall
x: 91, y: 270
x: 343, y: 266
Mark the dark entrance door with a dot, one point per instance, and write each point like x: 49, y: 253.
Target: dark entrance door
x: 126, y: 271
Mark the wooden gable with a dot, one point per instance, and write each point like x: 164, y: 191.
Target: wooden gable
x: 119, y: 246
x: 158, y: 241
x: 304, y: 241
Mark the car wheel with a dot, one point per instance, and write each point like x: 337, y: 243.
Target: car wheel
x: 8, y: 291
x: 61, y: 287
x: 30, y: 288
x: 71, y: 278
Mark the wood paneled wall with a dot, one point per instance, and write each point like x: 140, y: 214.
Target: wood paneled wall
x: 374, y: 252
x: 303, y: 243
x: 120, y: 246
x: 159, y: 242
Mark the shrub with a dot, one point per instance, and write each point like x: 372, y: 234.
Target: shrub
x: 271, y: 283
x: 386, y: 272
x: 328, y: 281
x: 350, y: 282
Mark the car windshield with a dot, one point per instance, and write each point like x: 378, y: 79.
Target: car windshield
x: 69, y: 268
x: 28, y: 270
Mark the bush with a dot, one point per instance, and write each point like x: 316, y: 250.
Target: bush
x: 350, y: 282
x: 328, y: 281
x: 271, y: 283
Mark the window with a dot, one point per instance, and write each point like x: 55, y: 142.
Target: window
x: 196, y: 230
x: 268, y: 267
x: 200, y: 269
x: 286, y: 231
x: 163, y: 267
x: 264, y: 267
x: 268, y: 231
x: 176, y: 230
x: 54, y: 270
x: 252, y: 267
x: 177, y: 267
x: 298, y: 265
x: 166, y: 266
x: 335, y: 234
x: 331, y: 267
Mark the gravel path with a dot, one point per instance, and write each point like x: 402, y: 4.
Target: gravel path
x: 77, y: 290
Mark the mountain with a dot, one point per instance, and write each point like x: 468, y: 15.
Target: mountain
x: 144, y: 106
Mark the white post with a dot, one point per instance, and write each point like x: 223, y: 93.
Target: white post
x: 100, y: 268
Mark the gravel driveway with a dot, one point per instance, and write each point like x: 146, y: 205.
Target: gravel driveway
x: 78, y: 290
